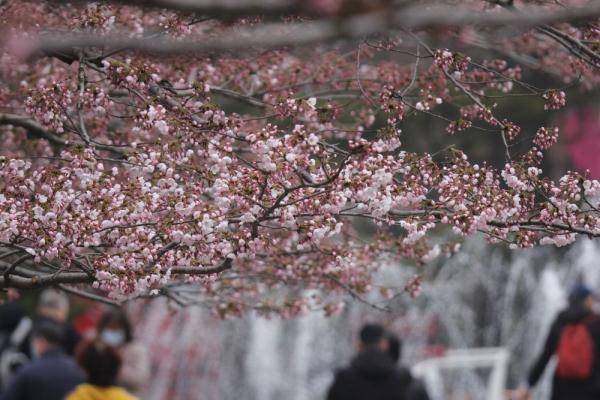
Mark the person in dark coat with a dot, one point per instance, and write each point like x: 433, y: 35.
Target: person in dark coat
x: 580, y: 308
x: 52, y: 374
x: 11, y: 314
x: 416, y: 388
x: 372, y: 375
x: 16, y: 331
x: 15, y: 327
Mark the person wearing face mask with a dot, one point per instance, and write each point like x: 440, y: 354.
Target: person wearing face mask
x: 114, y: 329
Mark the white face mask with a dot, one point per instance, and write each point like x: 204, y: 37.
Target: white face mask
x: 113, y: 337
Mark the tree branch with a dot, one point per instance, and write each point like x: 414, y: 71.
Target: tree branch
x: 38, y: 131
x: 275, y: 35
x: 14, y: 265
x: 32, y: 127
x: 89, y: 296
x: 225, y: 10
x: 204, y: 271
x: 39, y: 281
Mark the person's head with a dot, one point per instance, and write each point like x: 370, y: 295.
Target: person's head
x: 100, y: 362
x: 581, y: 295
x: 372, y: 337
x: 394, y: 347
x: 114, y: 328
x: 46, y: 335
x: 54, y: 305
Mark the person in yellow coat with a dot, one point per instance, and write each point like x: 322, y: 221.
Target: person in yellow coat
x: 101, y: 363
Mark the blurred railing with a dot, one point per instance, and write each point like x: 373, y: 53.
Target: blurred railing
x: 495, y: 358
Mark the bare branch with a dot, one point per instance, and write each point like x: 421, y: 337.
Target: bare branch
x: 573, y: 45
x: 219, y: 9
x: 14, y: 265
x: 40, y: 281
x: 32, y: 127
x: 37, y: 130
x: 204, y: 271
x: 89, y: 296
x: 275, y: 35
x: 357, y: 296
x: 419, y: 16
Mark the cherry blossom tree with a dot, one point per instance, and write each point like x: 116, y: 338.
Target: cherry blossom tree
x: 230, y: 152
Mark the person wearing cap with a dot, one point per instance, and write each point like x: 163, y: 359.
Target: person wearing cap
x: 52, y: 374
x: 578, y: 314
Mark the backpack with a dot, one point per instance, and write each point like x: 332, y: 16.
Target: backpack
x: 575, y: 351
x: 12, y: 358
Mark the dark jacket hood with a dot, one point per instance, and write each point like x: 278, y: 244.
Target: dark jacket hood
x: 10, y: 316
x: 373, y: 365
x: 574, y: 314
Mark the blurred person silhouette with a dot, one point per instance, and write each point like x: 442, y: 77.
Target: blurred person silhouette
x: 15, y: 327
x: 416, y: 388
x: 54, y: 306
x: 86, y: 322
x: 114, y: 329
x: 17, y: 348
x: 372, y: 374
x: 101, y: 364
x: 574, y: 338
x: 11, y: 313
x: 52, y: 374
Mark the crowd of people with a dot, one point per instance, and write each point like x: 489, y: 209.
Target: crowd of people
x: 44, y: 357
x: 573, y: 339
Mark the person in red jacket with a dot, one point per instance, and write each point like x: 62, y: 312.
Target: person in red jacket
x: 574, y: 338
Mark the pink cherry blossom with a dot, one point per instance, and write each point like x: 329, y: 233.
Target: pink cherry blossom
x: 235, y: 161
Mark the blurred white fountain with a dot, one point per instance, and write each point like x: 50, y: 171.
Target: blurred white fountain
x: 485, y: 296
